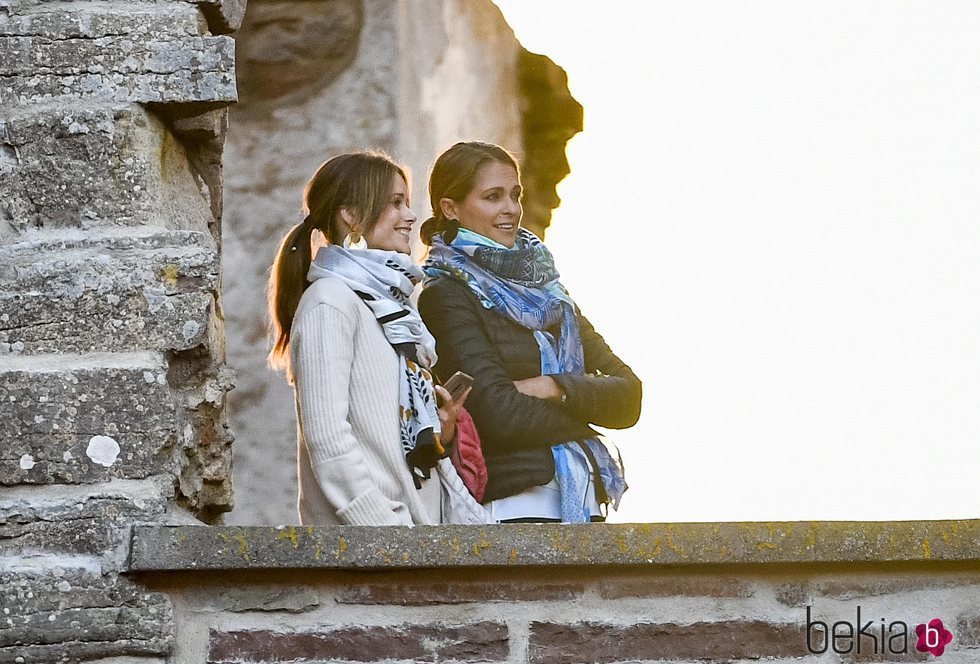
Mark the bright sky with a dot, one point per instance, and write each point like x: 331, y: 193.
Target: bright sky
x: 774, y: 217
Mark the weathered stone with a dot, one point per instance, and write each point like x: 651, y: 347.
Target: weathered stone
x: 77, y: 293
x: 461, y: 592
x: 551, y: 544
x: 78, y: 519
x: 674, y: 586
x: 857, y: 587
x: 481, y: 641
x: 551, y: 116
x: 282, y: 56
x: 154, y: 68
x: 84, y: 418
x: 92, y: 21
x: 725, y: 640
x: 793, y: 594
x: 85, y: 166
x: 203, y: 138
x: 204, y: 456
x: 966, y: 631
x: 223, y: 15
x: 286, y: 598
x: 79, y: 616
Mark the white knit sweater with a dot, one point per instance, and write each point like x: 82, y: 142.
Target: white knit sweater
x: 351, y: 466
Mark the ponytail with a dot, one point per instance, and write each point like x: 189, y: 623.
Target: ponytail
x: 436, y: 225
x: 358, y: 181
x: 287, y: 282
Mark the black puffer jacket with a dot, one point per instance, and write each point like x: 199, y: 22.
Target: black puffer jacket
x: 517, y: 430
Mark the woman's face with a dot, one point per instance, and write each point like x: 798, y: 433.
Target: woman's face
x: 395, y: 224
x: 493, y: 208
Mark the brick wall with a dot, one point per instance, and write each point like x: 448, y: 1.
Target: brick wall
x: 556, y: 594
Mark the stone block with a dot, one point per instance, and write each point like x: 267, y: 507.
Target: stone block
x: 203, y: 137
x: 83, y: 166
x: 223, y: 16
x: 83, y: 20
x: 480, y: 642
x: 722, y: 641
x: 91, y: 292
x: 288, y: 599
x: 75, y: 616
x: 204, y: 455
x: 966, y: 631
x: 82, y: 519
x: 462, y: 592
x: 533, y: 545
x: 164, y: 68
x: 793, y: 594
x: 85, y: 418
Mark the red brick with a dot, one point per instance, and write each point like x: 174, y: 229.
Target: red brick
x: 671, y: 586
x: 594, y: 642
x: 856, y: 588
x: 482, y: 641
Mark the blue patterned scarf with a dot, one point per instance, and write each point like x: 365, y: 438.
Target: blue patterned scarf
x: 522, y: 284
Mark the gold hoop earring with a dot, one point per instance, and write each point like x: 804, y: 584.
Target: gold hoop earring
x: 354, y: 240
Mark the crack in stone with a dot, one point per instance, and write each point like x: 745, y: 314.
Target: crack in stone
x: 30, y: 325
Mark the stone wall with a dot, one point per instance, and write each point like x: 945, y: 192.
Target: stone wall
x: 112, y: 376
x: 555, y: 594
x: 407, y: 77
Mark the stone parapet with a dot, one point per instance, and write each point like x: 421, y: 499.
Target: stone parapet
x: 677, y: 593
x: 546, y: 545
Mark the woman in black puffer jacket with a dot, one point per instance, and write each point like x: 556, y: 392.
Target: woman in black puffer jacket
x: 542, y: 373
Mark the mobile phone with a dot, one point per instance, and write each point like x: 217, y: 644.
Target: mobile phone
x: 458, y: 383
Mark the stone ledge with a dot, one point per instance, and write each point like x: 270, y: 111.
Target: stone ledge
x: 158, y: 548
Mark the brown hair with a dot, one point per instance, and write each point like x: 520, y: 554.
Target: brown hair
x: 454, y: 176
x: 357, y: 181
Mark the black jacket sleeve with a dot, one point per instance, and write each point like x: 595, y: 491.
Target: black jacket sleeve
x: 506, y: 419
x: 609, y: 393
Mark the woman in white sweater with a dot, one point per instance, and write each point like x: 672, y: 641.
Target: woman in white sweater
x: 370, y: 432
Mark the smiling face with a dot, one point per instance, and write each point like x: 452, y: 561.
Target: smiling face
x: 391, y: 231
x: 493, y: 207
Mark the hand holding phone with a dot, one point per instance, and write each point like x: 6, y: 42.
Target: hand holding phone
x: 458, y: 383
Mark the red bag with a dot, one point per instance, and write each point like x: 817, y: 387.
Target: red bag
x: 467, y: 455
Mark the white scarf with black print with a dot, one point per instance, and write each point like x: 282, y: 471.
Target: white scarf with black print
x: 384, y: 280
